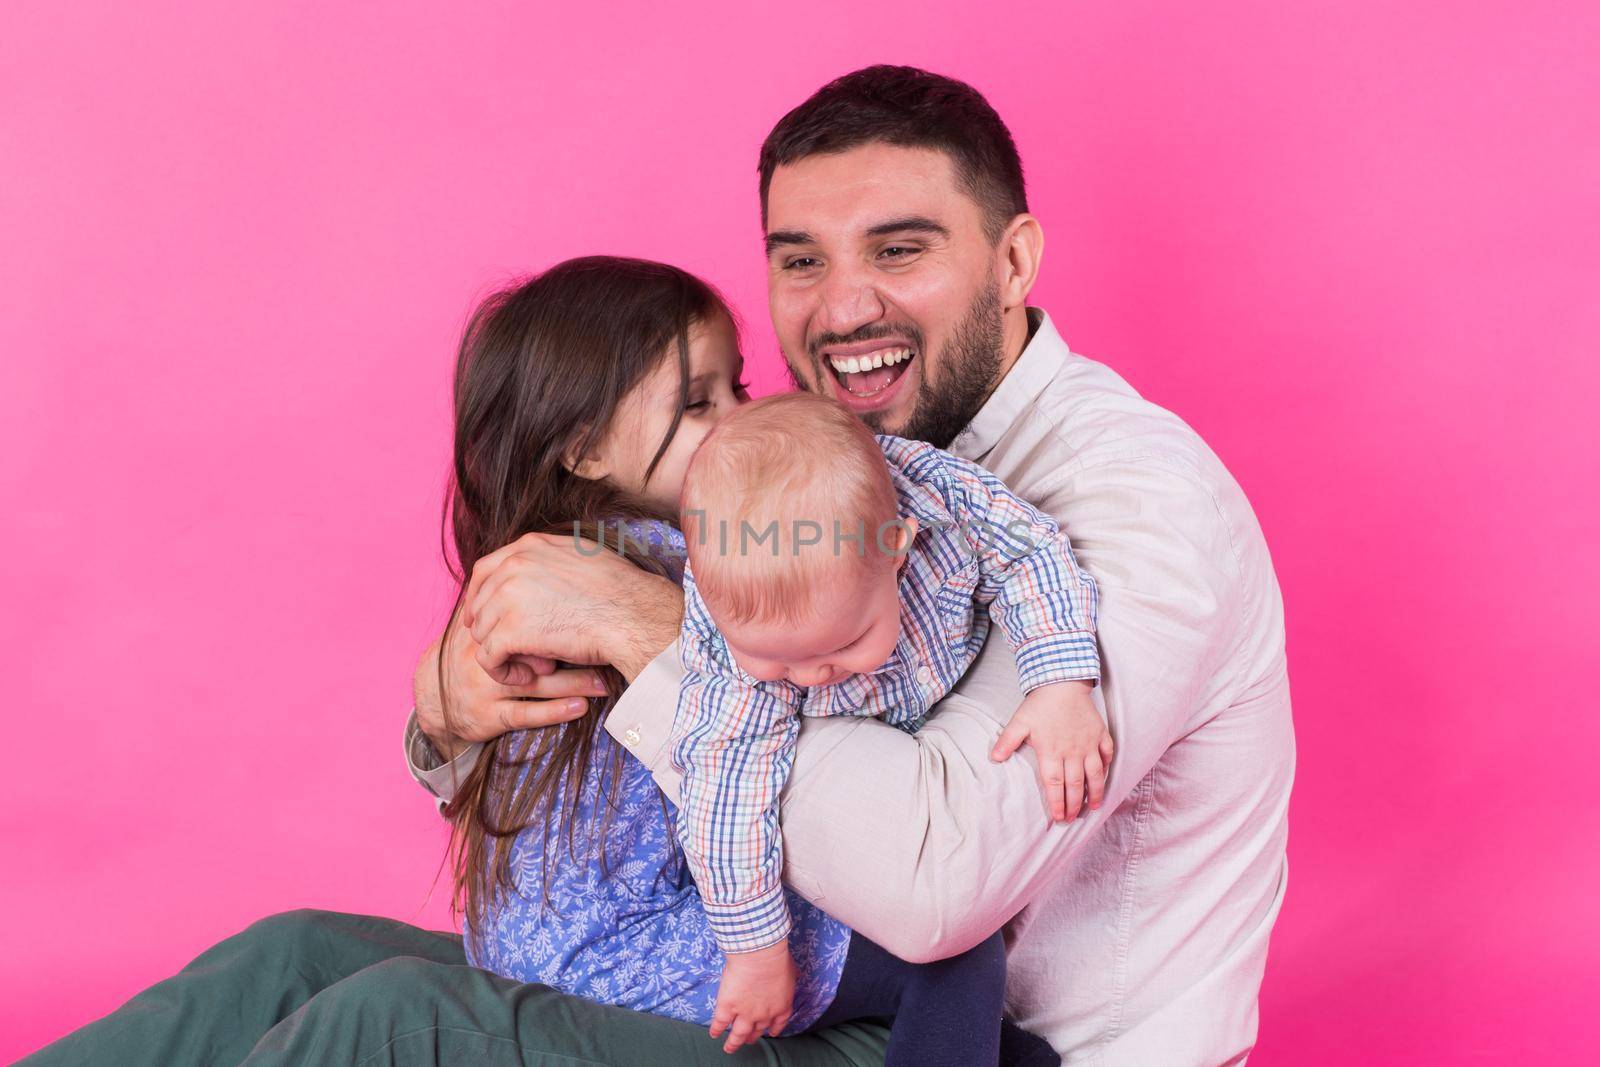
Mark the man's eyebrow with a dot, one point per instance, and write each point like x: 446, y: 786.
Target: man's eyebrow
x: 780, y: 238
x: 906, y: 224
x: 909, y: 224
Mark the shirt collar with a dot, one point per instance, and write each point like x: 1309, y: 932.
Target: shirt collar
x: 1041, y: 358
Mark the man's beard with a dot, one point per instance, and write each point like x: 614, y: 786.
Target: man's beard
x: 969, y: 369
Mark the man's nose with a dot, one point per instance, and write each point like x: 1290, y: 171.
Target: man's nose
x: 849, y: 301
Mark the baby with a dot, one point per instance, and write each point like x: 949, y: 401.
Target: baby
x: 834, y: 573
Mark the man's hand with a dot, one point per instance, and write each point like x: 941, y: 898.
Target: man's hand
x: 756, y: 996
x: 1063, y: 727
x: 541, y: 597
x: 482, y: 708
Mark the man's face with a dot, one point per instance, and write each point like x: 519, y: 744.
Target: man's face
x: 884, y: 289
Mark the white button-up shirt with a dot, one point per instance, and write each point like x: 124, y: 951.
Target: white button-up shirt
x: 1137, y: 935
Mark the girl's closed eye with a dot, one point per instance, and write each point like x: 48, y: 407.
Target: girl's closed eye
x: 698, y: 403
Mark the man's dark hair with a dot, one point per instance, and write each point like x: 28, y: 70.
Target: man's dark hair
x: 910, y: 108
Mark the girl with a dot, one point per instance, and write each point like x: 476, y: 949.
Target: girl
x: 580, y: 396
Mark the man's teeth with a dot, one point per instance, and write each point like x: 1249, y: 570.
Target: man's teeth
x: 888, y: 357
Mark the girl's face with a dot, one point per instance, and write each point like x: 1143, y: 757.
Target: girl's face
x: 715, y: 388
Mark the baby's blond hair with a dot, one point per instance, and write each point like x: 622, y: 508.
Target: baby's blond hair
x: 766, y: 480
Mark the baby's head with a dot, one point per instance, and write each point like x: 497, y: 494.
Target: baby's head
x: 796, y: 541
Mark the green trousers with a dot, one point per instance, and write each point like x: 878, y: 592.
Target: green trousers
x: 326, y: 989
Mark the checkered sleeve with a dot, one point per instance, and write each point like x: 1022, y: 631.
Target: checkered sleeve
x: 733, y: 741
x: 1043, y: 602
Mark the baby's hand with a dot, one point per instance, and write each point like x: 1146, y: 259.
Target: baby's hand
x: 1061, y: 724
x: 756, y: 996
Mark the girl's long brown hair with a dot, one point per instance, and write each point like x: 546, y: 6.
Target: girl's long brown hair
x: 542, y: 368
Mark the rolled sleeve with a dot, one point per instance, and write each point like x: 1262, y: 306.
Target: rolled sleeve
x: 641, y: 719
x: 1057, y: 657
x: 752, y: 924
x: 432, y: 771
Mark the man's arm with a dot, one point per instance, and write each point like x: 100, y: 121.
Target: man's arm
x: 482, y: 707
x: 958, y: 842
x: 540, y: 585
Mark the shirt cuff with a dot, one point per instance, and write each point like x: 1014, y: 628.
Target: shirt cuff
x: 750, y: 925
x: 641, y: 719
x: 430, y: 769
x: 1061, y: 657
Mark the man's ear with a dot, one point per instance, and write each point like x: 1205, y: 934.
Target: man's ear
x: 1021, y: 247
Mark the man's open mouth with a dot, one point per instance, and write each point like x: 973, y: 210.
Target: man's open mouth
x: 865, y: 375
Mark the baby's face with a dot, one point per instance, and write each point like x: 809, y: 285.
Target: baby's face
x: 850, y: 631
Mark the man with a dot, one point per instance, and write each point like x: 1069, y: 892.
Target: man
x: 896, y: 218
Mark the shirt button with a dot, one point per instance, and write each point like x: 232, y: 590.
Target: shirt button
x: 924, y: 675
x: 631, y: 736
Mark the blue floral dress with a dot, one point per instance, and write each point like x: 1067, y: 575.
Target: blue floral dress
x: 629, y: 929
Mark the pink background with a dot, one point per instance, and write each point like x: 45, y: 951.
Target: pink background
x: 1355, y: 244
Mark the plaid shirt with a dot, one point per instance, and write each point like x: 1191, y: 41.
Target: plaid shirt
x: 977, y: 546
